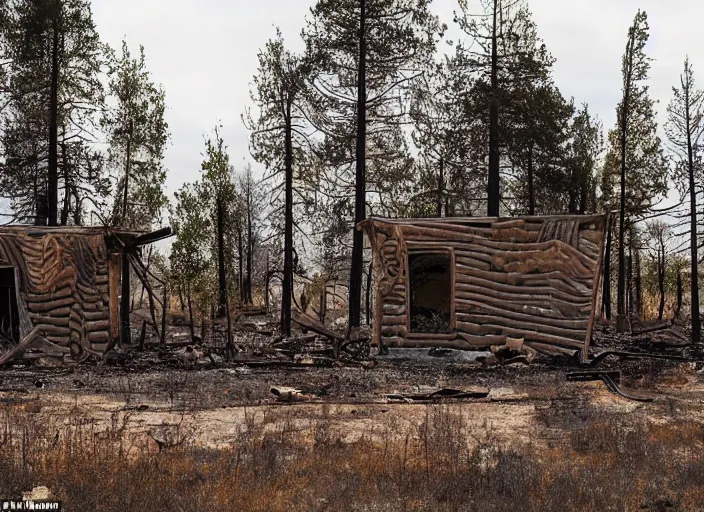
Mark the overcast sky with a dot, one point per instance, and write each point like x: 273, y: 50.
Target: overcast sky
x: 204, y: 54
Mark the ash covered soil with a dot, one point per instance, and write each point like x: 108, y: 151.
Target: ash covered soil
x: 158, y: 400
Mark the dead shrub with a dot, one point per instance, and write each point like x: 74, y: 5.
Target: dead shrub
x: 283, y: 464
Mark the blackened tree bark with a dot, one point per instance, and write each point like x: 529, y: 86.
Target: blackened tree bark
x: 125, y: 331
x: 222, y: 279
x: 287, y: 288
x: 696, y: 320
x: 629, y: 282
x: 181, y: 302
x: 190, y: 313
x: 531, y: 190
x: 369, y: 292
x: 323, y: 303
x: 67, y: 189
x: 441, y: 187
x: 679, y: 294
x: 250, y: 249
x: 355, y: 294
x: 53, y: 174
x: 606, y: 292
x: 638, y: 284
x: 240, y: 264
x: 661, y: 279
x: 267, y: 278
x: 128, y: 163
x: 621, y: 324
x: 493, y: 183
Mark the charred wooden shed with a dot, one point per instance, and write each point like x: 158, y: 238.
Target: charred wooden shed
x: 64, y: 285
x: 475, y: 282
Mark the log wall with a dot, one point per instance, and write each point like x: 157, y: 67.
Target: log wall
x: 63, y: 281
x: 531, y: 277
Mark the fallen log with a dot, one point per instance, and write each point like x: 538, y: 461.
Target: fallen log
x: 440, y: 394
x: 660, y: 326
x: 314, y: 325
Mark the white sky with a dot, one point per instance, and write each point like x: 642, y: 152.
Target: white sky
x: 204, y: 52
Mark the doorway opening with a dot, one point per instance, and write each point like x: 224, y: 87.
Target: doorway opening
x: 9, y: 312
x: 430, y: 292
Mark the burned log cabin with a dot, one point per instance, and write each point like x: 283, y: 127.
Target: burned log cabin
x: 470, y: 283
x: 61, y: 287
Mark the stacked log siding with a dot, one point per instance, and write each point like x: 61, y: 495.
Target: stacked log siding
x: 535, y: 278
x: 63, y: 279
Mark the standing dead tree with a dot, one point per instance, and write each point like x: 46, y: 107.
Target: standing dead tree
x: 659, y: 232
x: 684, y: 128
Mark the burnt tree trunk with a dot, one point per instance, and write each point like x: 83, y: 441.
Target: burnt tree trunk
x: 629, y: 283
x: 679, y: 296
x: 40, y: 212
x: 128, y: 163
x: 53, y: 174
x: 180, y: 298
x: 531, y: 189
x: 369, y: 292
x: 661, y: 280
x: 583, y: 195
x: 125, y: 334
x: 230, y: 346
x: 355, y: 291
x: 67, y: 188
x: 266, y: 283
x: 621, y: 323
x: 493, y: 196
x: 287, y: 285
x: 190, y: 313
x: 323, y: 303
x: 250, y: 250
x: 164, y: 312
x: 694, y: 256
x: 77, y: 214
x: 222, y: 282
x: 638, y: 285
x: 441, y: 184
x: 606, y: 291
x: 240, y: 265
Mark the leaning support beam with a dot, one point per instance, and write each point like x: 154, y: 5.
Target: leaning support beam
x: 150, y: 293
x: 24, y: 345
x: 154, y: 236
x: 597, y: 282
x: 313, y: 325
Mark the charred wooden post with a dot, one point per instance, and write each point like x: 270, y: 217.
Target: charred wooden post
x: 164, y: 312
x: 143, y: 335
x: 230, y: 346
x: 125, y: 326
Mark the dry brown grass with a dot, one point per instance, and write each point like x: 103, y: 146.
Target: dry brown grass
x: 438, y: 464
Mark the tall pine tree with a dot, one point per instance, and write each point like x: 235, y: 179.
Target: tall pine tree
x: 366, y: 55
x: 636, y: 156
